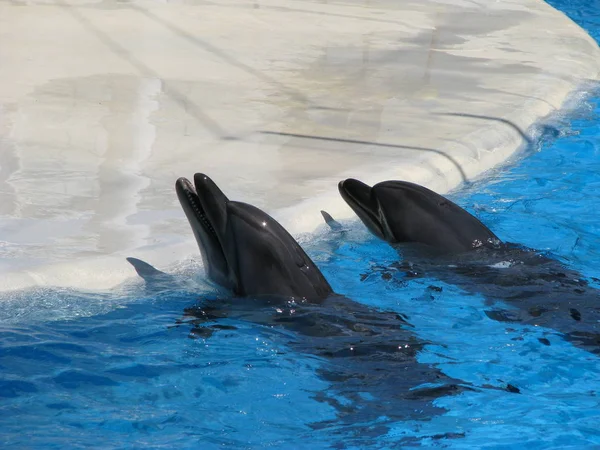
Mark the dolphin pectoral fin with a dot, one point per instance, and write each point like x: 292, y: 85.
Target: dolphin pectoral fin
x: 333, y: 224
x: 206, y: 331
x: 401, y: 272
x: 204, y: 320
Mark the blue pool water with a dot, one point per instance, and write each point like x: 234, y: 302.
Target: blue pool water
x: 120, y: 370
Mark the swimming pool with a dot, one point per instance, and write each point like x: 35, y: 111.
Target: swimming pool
x: 119, y: 370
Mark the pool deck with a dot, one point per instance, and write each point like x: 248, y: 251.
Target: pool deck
x: 104, y: 104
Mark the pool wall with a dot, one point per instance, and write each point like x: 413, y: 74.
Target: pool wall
x: 103, y: 104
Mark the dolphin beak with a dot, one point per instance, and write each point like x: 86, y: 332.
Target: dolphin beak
x: 214, y: 203
x: 205, y: 207
x: 360, y: 198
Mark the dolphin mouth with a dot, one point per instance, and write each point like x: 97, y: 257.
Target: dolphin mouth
x: 205, y: 207
x: 186, y: 189
x: 359, y: 197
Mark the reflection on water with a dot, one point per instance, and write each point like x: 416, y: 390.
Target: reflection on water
x: 129, y: 139
x: 82, y: 145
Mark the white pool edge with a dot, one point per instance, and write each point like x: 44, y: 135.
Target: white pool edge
x: 494, y: 144
x: 497, y: 142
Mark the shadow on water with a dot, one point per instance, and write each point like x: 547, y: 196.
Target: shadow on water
x: 211, y: 48
x: 374, y: 144
x: 528, y: 141
x: 185, y: 103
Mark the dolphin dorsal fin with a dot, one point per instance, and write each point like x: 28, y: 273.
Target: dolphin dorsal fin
x: 333, y: 224
x: 146, y: 271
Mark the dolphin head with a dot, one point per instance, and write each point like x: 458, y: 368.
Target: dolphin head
x: 399, y: 211
x: 246, y: 250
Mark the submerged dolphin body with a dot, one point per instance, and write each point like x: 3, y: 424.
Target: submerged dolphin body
x: 447, y: 242
x: 364, y: 351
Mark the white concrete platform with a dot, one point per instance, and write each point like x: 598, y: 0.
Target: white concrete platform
x: 104, y: 103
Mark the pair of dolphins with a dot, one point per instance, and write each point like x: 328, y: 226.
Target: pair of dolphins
x: 249, y: 253
x: 369, y: 351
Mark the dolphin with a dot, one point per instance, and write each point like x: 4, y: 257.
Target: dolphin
x: 449, y: 243
x: 399, y: 211
x: 276, y: 285
x: 246, y: 250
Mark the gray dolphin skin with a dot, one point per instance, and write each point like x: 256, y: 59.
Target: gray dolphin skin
x: 469, y: 255
x: 246, y: 250
x: 399, y: 211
